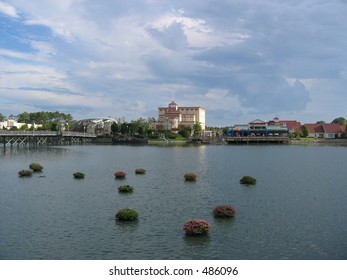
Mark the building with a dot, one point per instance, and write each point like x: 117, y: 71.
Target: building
x: 292, y: 125
x: 327, y: 130
x: 13, y: 124
x: 257, y: 128
x: 174, y: 117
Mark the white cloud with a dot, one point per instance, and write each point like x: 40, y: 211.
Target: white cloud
x: 8, y: 9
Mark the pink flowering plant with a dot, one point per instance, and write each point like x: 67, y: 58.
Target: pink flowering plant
x: 196, y: 227
x: 224, y: 211
x: 120, y: 174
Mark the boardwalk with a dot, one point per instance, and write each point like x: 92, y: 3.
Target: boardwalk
x: 20, y: 138
x: 257, y: 140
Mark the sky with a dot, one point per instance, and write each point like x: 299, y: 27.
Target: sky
x: 240, y: 60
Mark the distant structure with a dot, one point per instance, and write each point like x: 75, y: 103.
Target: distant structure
x: 258, y: 128
x: 174, y: 117
x: 97, y: 126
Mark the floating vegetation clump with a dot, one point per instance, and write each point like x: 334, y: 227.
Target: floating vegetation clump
x: 120, y: 174
x: 190, y: 177
x: 224, y: 211
x: 78, y: 175
x: 140, y: 171
x: 127, y: 214
x: 35, y: 166
x: 125, y: 189
x: 196, y: 227
x: 248, y: 180
x: 24, y: 173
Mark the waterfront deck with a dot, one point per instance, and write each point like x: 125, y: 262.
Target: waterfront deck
x: 257, y: 140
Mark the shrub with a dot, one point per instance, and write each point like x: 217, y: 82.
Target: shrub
x: 120, y: 174
x: 125, y: 188
x: 248, y: 180
x: 23, y: 173
x: 36, y: 167
x: 190, y: 177
x: 140, y: 171
x: 224, y: 211
x: 126, y: 214
x: 78, y: 175
x: 196, y: 227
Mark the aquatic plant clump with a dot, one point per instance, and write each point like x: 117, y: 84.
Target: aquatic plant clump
x: 120, y: 174
x: 23, y: 173
x: 196, y: 227
x: 35, y: 166
x: 248, y: 180
x: 78, y: 175
x: 190, y: 177
x: 140, y: 171
x: 127, y: 214
x: 224, y: 211
x: 125, y: 189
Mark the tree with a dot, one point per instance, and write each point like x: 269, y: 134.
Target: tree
x: 2, y: 117
x: 305, y: 131
x: 124, y: 128
x: 114, y: 128
x: 197, y: 128
x: 340, y: 120
x: 320, y: 122
x: 185, y: 132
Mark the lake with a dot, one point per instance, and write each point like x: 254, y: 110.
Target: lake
x: 297, y: 210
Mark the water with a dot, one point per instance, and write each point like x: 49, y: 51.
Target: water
x: 297, y: 210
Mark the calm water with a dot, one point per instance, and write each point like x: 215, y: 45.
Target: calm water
x: 297, y: 210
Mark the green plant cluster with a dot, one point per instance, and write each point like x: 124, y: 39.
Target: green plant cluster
x: 35, y: 166
x: 248, y: 180
x: 127, y: 214
x: 78, y: 175
x: 190, y: 177
x: 125, y: 189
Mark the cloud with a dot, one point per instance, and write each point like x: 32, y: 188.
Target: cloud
x: 237, y: 59
x: 8, y: 10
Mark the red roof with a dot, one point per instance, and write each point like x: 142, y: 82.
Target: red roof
x: 291, y: 125
x: 325, y: 128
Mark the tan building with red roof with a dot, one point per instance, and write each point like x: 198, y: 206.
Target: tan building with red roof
x: 174, y: 117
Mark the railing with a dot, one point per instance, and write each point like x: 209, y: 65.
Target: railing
x: 19, y: 133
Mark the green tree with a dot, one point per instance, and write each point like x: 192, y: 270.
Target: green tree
x: 197, y: 128
x: 186, y: 132
x: 340, y: 120
x: 124, y: 128
x: 305, y: 131
x: 320, y: 122
x: 114, y: 128
x: 2, y: 117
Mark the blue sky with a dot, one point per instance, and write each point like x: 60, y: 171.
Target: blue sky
x: 239, y: 59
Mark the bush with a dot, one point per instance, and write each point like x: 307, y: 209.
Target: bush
x: 190, y: 177
x: 125, y: 189
x: 140, y: 171
x: 120, y: 174
x: 36, y: 167
x: 248, y: 180
x: 78, y: 175
x: 196, y: 227
x: 126, y: 214
x: 224, y: 211
x: 23, y: 173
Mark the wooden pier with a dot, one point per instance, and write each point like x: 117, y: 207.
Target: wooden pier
x: 21, y: 138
